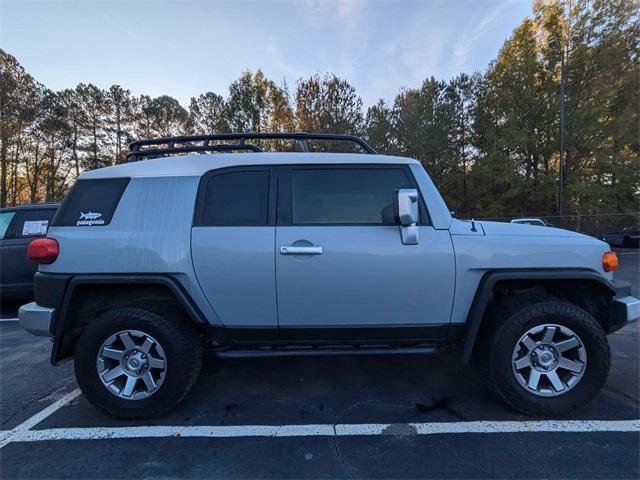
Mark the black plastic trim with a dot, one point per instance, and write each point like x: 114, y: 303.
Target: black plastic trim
x: 617, y: 314
x: 331, y: 334
x: 484, y: 294
x: 332, y: 351
x: 114, y: 279
x: 49, y: 289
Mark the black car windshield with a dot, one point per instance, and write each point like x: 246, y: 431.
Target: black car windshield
x: 5, y: 220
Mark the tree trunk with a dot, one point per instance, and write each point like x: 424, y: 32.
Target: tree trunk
x: 36, y: 175
x: 118, y: 144
x: 76, y: 160
x: 95, y: 145
x: 465, y: 193
x: 14, y: 174
x: 3, y: 173
x: 49, y: 192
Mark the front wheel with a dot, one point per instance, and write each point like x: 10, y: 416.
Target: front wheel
x: 543, y: 355
x: 135, y: 363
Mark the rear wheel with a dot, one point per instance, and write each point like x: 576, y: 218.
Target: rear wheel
x: 135, y: 363
x: 543, y: 355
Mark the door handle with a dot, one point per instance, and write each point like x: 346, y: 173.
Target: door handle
x: 293, y: 250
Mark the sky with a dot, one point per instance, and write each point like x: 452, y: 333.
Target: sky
x: 185, y: 48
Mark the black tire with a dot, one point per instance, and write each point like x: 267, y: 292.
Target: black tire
x: 629, y: 242
x: 511, y: 318
x: 182, y: 345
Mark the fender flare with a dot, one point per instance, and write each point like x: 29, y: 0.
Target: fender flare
x: 484, y: 294
x: 167, y: 281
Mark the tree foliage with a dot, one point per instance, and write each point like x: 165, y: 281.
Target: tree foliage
x: 489, y: 140
x: 328, y: 105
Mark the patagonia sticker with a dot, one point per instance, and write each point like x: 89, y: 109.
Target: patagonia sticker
x: 90, y: 218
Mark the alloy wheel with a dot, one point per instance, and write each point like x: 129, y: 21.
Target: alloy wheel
x: 549, y: 360
x: 131, y: 364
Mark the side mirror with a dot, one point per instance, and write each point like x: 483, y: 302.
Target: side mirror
x: 405, y: 210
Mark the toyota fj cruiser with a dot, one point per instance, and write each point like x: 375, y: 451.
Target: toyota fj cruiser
x: 148, y: 263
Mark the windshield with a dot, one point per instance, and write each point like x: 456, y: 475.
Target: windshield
x: 529, y: 222
x: 5, y: 220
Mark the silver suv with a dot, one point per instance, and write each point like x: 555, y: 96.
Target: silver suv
x: 149, y: 263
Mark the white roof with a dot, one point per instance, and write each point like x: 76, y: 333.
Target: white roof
x: 197, y: 165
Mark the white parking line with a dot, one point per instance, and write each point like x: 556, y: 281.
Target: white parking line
x: 9, y: 319
x: 325, y: 430
x: 24, y: 432
x: 6, y: 436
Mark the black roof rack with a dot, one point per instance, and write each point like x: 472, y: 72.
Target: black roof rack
x: 158, y: 147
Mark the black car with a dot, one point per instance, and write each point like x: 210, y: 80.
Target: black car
x: 18, y: 227
x: 625, y: 238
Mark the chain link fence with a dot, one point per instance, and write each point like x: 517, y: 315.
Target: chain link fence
x: 592, y: 224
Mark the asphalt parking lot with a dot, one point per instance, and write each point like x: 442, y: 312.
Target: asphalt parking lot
x: 339, y: 417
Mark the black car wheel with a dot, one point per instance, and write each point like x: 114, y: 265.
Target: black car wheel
x: 135, y: 363
x: 543, y: 355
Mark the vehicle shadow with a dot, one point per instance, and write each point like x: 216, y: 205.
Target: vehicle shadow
x: 9, y: 307
x: 331, y: 390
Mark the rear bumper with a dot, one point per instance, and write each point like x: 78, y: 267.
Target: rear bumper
x: 36, y: 319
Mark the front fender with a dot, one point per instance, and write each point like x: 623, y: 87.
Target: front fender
x: 484, y: 294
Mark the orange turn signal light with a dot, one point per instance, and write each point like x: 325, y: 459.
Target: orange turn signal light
x: 610, y: 261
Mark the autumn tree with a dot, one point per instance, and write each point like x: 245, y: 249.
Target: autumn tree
x: 490, y: 141
x: 328, y: 104
x: 461, y: 95
x: 120, y: 119
x: 208, y: 114
x: 95, y: 107
x: 379, y: 127
x: 55, y: 130
x: 17, y: 102
x: 257, y: 104
x: 160, y: 117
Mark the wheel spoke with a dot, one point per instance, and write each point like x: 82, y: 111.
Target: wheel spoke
x: 146, y: 346
x: 555, y: 381
x: 149, y: 381
x: 534, y: 379
x: 127, y: 391
x: 112, y: 374
x: 112, y: 353
x: 529, y: 342
x: 567, y: 344
x: 127, y: 341
x: 575, y: 367
x: 523, y: 362
x: 156, y: 362
x: 549, y: 332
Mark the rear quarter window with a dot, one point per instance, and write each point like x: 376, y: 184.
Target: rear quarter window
x: 235, y: 198
x: 91, y: 203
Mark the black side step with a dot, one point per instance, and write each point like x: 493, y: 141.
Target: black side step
x: 327, y: 351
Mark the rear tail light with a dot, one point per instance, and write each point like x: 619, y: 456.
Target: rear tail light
x: 43, y: 250
x: 609, y: 261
